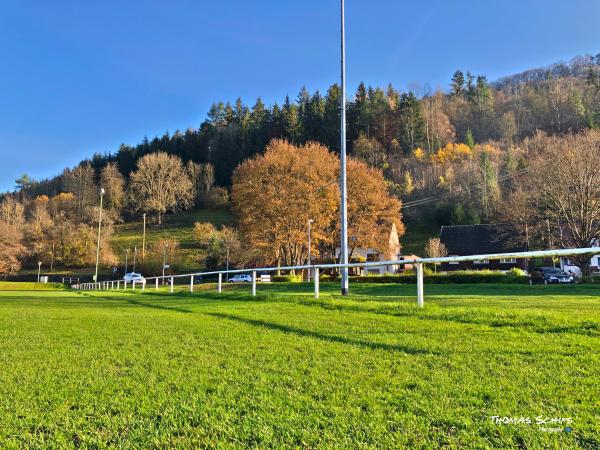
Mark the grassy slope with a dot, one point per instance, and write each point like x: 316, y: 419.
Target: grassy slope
x: 176, y: 226
x: 417, y: 234
x: 19, y: 286
x: 132, y: 370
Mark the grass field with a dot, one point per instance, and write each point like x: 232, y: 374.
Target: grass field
x: 153, y: 370
x: 175, y: 226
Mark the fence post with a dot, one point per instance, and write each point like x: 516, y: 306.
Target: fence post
x: 220, y: 283
x: 157, y: 283
x: 143, y: 285
x: 133, y: 285
x: 316, y: 280
x: 192, y: 283
x: 171, y: 285
x: 420, y: 297
x: 254, y: 283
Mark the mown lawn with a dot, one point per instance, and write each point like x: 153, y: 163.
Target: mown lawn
x: 132, y: 370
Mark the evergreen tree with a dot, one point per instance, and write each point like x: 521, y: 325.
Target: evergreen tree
x: 457, y: 86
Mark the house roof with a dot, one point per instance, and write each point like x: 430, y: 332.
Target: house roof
x: 485, y: 238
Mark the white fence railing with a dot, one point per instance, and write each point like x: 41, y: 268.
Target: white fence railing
x: 316, y: 268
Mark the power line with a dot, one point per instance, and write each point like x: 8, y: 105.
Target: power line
x: 463, y: 191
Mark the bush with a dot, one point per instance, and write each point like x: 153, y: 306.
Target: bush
x: 290, y: 278
x: 217, y: 198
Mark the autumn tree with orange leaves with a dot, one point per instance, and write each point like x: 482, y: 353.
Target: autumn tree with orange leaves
x: 276, y: 193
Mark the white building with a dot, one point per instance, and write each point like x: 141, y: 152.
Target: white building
x: 567, y: 265
x: 391, y: 253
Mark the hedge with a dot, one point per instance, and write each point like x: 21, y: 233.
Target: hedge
x: 458, y: 277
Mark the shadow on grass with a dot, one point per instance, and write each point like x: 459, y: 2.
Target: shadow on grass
x: 326, y: 337
x: 291, y: 330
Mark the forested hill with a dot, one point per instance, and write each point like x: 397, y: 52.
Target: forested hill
x: 385, y: 126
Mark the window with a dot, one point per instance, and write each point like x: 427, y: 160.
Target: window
x: 508, y: 261
x: 481, y: 261
x: 453, y: 262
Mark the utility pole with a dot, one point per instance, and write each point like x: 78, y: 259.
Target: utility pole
x: 134, y: 257
x: 227, y: 267
x: 52, y: 258
x: 144, y: 239
x: 99, y: 228
x: 164, y: 260
x: 343, y: 205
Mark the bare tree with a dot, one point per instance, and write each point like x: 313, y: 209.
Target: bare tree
x: 562, y: 204
x: 113, y: 182
x: 12, y: 212
x: 202, y: 177
x: 435, y: 249
x: 160, y: 184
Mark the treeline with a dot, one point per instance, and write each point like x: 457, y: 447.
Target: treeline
x: 384, y: 125
x: 61, y: 229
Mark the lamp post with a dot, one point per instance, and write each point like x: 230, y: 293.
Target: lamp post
x: 144, y: 240
x: 308, y: 258
x: 99, y: 228
x: 164, y: 260
x: 39, y: 270
x: 343, y: 200
x: 126, y: 258
x: 134, y: 257
x: 227, y: 265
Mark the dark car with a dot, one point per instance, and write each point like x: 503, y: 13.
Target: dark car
x: 550, y: 275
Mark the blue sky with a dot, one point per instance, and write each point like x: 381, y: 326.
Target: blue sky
x: 82, y: 77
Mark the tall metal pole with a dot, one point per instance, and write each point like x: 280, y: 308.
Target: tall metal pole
x: 343, y: 205
x: 134, y: 257
x: 39, y: 270
x: 99, y: 227
x: 126, y: 257
x: 308, y: 258
x: 227, y: 265
x: 144, y: 239
x: 164, y: 260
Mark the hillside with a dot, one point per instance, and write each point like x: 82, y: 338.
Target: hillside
x: 176, y: 226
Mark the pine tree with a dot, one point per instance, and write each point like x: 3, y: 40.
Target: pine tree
x: 469, y: 139
x: 457, y: 86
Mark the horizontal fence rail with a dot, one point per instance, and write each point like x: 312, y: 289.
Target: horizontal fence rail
x: 316, y: 268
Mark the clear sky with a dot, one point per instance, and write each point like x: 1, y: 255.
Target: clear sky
x: 79, y: 77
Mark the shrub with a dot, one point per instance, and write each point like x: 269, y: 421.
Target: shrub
x: 217, y: 198
x: 290, y: 278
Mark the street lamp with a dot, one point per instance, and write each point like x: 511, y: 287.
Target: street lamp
x: 165, y: 246
x: 126, y: 257
x: 99, y: 227
x: 310, y: 221
x: 39, y: 270
x: 144, y: 240
x: 343, y: 200
x: 227, y: 266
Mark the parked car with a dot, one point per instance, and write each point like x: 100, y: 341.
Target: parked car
x: 550, y: 275
x: 241, y: 278
x: 132, y: 276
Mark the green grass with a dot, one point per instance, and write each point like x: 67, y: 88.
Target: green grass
x: 175, y: 226
x: 26, y: 286
x: 153, y: 370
